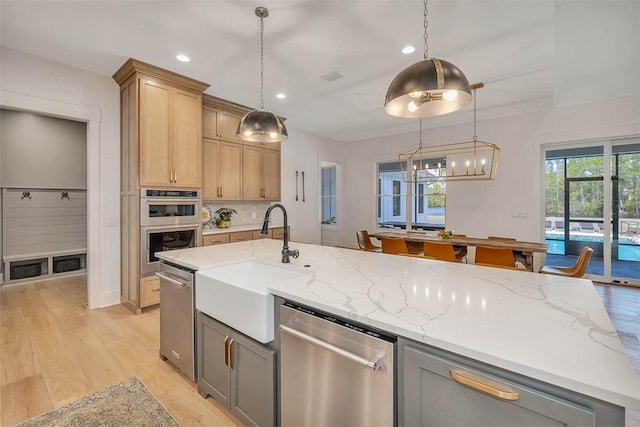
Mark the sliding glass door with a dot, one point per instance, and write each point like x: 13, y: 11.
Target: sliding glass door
x: 592, y: 198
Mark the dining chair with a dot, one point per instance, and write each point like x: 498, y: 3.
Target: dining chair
x: 364, y: 241
x: 442, y: 251
x: 461, y: 252
x: 416, y: 256
x: 576, y: 270
x: 394, y: 245
x: 495, y: 256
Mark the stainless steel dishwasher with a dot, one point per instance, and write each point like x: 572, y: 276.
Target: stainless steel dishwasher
x: 334, y: 372
x: 177, y: 317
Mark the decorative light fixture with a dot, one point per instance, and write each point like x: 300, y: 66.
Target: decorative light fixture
x: 427, y: 88
x: 459, y: 161
x: 261, y: 125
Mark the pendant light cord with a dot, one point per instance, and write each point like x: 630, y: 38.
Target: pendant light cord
x: 426, y: 24
x: 261, y: 63
x: 475, y: 136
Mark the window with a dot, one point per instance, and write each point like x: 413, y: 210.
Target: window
x: 425, y: 208
x: 328, y: 195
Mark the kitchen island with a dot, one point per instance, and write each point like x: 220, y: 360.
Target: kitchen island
x: 551, y: 329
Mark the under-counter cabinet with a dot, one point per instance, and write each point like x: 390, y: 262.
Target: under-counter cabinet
x: 261, y: 173
x: 236, y: 371
x: 442, y: 389
x: 170, y: 135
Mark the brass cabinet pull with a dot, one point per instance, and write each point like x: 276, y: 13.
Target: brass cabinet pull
x: 231, y: 353
x: 226, y: 350
x: 483, y: 384
x: 175, y: 176
x: 155, y: 290
x: 221, y: 191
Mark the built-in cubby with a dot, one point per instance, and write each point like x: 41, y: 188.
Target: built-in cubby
x: 43, y: 266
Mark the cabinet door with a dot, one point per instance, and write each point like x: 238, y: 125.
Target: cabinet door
x: 149, y: 291
x: 252, y: 381
x: 433, y: 398
x: 186, y: 139
x: 155, y: 161
x: 227, y: 126
x: 230, y: 167
x: 211, y: 170
x: 252, y: 182
x: 210, y: 123
x: 213, y: 372
x: 271, y: 175
x: 215, y: 239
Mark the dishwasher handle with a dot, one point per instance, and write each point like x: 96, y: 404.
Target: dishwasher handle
x: 168, y: 278
x: 371, y: 364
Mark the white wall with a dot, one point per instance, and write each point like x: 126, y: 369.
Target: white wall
x: 28, y: 80
x: 304, y: 152
x: 481, y: 209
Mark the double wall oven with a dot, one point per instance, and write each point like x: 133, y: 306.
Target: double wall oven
x: 169, y: 220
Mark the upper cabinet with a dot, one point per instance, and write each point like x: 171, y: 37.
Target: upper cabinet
x: 261, y: 178
x: 219, y: 124
x: 166, y: 127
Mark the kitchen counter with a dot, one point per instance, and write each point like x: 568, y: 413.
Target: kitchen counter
x: 549, y: 328
x: 206, y: 231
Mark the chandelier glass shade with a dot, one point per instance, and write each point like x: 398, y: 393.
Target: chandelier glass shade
x: 261, y: 125
x: 471, y: 160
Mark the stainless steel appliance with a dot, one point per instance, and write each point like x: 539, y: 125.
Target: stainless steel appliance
x: 170, y: 207
x: 177, y: 317
x: 333, y: 371
x: 170, y: 220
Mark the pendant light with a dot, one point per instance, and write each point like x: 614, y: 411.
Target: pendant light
x: 261, y: 125
x: 427, y: 88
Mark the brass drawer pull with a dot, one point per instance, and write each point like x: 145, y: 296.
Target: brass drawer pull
x: 231, y: 353
x: 483, y: 384
x: 226, y: 350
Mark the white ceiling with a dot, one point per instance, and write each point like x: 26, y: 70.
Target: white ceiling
x: 508, y: 45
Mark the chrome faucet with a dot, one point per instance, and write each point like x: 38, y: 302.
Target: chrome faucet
x: 286, y: 253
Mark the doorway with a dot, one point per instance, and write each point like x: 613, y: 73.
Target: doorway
x: 592, y: 198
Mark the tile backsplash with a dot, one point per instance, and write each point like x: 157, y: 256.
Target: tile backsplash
x: 249, y: 213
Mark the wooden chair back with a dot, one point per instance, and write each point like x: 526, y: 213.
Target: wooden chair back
x: 394, y: 245
x: 364, y: 241
x: 495, y: 256
x: 442, y: 251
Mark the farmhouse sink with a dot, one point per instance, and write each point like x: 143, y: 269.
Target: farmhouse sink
x: 236, y: 294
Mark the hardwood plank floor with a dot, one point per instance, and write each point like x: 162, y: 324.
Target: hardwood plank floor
x: 55, y: 351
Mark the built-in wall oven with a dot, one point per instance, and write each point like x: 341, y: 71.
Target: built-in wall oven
x: 169, y: 220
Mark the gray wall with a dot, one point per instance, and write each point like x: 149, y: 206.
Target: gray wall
x: 42, y: 152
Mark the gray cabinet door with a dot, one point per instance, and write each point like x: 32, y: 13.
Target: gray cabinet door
x: 252, y: 381
x: 433, y: 398
x: 213, y: 373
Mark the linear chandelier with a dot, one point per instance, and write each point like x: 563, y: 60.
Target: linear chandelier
x: 458, y: 161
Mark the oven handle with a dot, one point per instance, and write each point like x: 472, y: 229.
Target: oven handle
x: 180, y: 283
x: 372, y: 364
x: 163, y: 201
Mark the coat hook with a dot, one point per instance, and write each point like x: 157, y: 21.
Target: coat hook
x: 26, y: 195
x: 64, y: 195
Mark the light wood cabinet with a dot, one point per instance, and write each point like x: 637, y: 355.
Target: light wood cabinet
x: 149, y: 291
x: 257, y: 235
x: 217, y: 124
x: 261, y: 174
x: 240, y: 236
x: 170, y: 141
x: 222, y: 170
x: 160, y: 146
x: 215, y: 239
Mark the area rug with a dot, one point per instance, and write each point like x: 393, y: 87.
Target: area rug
x: 127, y: 403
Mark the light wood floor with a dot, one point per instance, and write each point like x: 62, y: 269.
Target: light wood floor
x: 54, y: 351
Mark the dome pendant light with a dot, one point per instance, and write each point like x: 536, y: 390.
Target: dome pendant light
x: 261, y: 125
x: 427, y: 88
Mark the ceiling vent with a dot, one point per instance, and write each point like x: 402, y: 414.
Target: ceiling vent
x: 332, y: 76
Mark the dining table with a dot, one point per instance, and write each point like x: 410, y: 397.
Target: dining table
x: 531, y: 254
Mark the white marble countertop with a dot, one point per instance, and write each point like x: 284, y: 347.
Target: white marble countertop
x: 206, y: 231
x: 549, y: 328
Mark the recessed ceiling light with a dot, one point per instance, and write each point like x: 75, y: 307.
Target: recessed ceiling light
x: 183, y: 58
x: 408, y: 49
x: 281, y: 96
